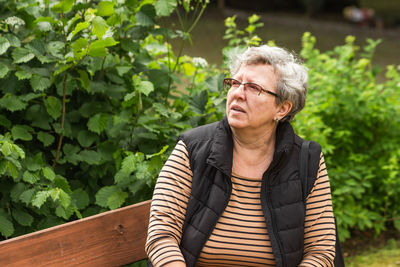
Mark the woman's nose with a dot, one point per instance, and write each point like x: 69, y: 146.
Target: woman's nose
x: 240, y: 91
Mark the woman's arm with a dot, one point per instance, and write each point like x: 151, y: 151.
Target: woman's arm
x: 319, y: 231
x: 168, y: 209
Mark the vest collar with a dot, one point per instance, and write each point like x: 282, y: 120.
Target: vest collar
x: 222, y: 148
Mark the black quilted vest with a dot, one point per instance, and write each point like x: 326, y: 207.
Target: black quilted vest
x: 210, y: 152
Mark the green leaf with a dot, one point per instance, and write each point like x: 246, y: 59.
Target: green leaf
x: 34, y: 163
x: 14, y: 40
x: 23, y: 74
x: 26, y: 196
x: 63, y: 6
x: 129, y: 164
x: 3, y: 70
x: 20, y: 151
x: 55, y: 193
x: 55, y: 48
x: 53, y: 106
x: 40, y: 83
x: 44, y: 26
x: 105, y: 8
x: 48, y: 173
x: 165, y: 7
x: 116, y: 199
x: 136, y: 186
x: 100, y: 26
x: 40, y: 198
x: 45, y: 138
x: 79, y: 47
x: 22, y: 55
x: 103, y: 194
x: 98, y: 123
x: 4, y: 45
x: 84, y: 78
x: 98, y: 47
x: 65, y: 213
x: 3, y: 166
x: 22, y: 217
x: 6, y: 148
x: 65, y: 199
x: 79, y: 27
x: 12, y: 169
x: 142, y: 171
x: 37, y: 46
x: 12, y: 103
x: 80, y: 198
x: 30, y: 177
x: 90, y: 157
x: 62, y: 183
x: 86, y: 138
x: 121, y: 177
x: 16, y: 191
x: 123, y: 69
x: 396, y: 223
x: 71, y: 153
x: 6, y: 227
x: 21, y: 132
x: 146, y: 87
x: 146, y: 16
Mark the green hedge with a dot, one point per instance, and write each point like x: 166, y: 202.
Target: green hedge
x: 90, y: 105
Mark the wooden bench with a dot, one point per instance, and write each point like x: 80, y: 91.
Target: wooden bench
x: 112, y: 238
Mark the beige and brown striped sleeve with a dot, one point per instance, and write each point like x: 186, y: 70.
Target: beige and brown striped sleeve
x: 168, y: 208
x: 319, y: 232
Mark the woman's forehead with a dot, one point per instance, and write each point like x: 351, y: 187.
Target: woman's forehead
x: 257, y: 72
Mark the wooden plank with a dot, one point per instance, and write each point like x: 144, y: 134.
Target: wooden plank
x: 112, y: 238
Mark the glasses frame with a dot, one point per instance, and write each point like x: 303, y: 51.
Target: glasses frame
x: 228, y: 81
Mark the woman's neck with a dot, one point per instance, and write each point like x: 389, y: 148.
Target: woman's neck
x: 252, y: 152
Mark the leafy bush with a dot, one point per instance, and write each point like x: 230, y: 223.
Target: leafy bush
x: 353, y: 113
x: 90, y: 105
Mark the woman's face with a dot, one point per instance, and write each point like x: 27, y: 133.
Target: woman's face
x: 246, y: 110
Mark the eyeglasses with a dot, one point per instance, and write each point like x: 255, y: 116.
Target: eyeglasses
x: 250, y: 87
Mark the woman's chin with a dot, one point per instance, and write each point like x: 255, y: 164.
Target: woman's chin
x: 237, y: 122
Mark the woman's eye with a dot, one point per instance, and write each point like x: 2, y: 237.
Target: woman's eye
x: 236, y: 83
x: 254, y: 87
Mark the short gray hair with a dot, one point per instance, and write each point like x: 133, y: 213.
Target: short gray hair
x: 292, y: 75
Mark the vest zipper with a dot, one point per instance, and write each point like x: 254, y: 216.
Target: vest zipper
x: 275, y: 227
x: 219, y: 216
x: 268, y: 202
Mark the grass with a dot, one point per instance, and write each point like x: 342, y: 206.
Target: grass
x: 386, y: 256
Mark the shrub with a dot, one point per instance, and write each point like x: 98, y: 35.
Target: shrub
x: 90, y: 105
x: 352, y: 112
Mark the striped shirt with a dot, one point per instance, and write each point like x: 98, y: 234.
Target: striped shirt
x: 240, y: 237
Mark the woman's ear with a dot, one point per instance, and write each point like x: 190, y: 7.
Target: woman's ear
x: 284, y: 109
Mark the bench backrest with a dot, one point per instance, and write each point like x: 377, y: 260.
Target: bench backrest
x: 112, y: 238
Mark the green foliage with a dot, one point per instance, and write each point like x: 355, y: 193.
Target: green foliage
x: 239, y: 40
x: 353, y: 113
x: 90, y: 105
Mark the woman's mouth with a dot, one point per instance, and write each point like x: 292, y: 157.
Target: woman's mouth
x: 237, y: 108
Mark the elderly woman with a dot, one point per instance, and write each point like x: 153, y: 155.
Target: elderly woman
x: 230, y: 193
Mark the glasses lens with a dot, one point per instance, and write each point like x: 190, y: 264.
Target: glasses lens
x: 253, y: 88
x: 227, y: 84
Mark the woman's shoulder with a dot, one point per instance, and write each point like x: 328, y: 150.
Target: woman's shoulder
x: 313, y: 147
x: 202, y: 133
